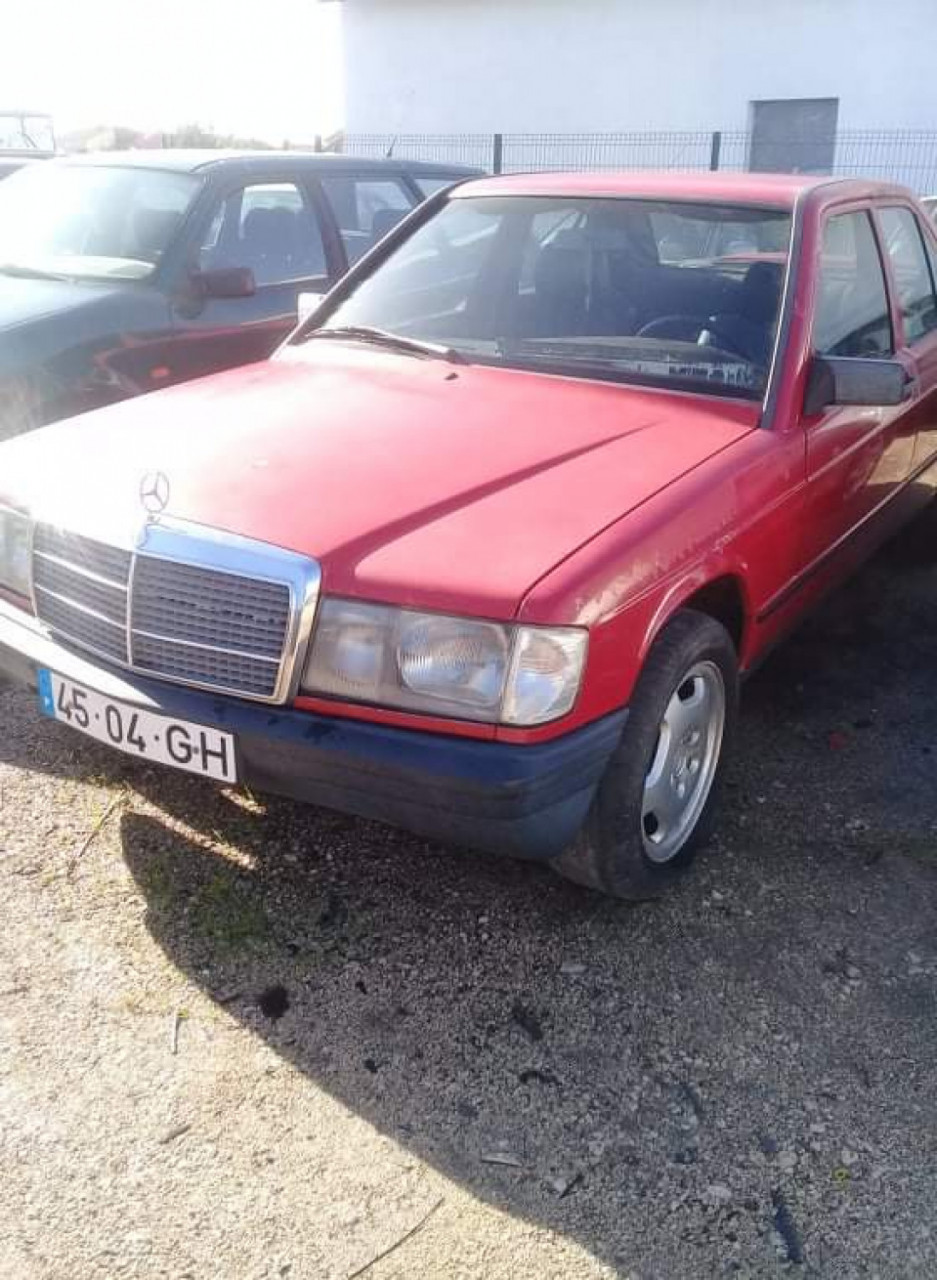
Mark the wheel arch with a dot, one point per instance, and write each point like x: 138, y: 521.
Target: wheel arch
x: 720, y: 595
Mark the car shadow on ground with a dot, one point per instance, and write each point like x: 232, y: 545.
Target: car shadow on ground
x: 636, y: 1078
x: 583, y: 1063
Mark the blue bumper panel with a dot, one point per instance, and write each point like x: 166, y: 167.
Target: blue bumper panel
x: 524, y: 801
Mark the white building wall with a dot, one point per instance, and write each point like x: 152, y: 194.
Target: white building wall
x: 541, y: 66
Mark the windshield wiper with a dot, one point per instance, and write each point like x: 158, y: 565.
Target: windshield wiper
x: 393, y: 341
x: 30, y: 273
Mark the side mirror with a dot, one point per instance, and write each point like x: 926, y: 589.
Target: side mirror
x: 225, y: 282
x: 856, y: 380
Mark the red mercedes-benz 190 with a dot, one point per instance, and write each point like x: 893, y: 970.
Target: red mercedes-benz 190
x: 486, y: 547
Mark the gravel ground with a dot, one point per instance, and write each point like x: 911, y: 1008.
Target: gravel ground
x: 245, y: 1039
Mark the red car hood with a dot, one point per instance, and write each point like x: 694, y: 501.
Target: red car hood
x: 410, y: 480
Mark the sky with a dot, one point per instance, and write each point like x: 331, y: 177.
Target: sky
x: 269, y: 69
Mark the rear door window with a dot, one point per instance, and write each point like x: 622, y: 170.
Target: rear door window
x: 930, y: 248
x: 903, y: 240
x: 852, y: 316
x: 366, y: 209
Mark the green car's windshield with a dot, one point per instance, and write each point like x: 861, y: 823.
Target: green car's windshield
x: 660, y: 292
x: 90, y: 221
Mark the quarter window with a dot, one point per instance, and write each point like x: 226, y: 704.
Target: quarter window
x: 852, y: 316
x: 912, y: 274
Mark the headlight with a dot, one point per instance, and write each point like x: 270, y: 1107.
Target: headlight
x: 14, y: 551
x: 443, y: 666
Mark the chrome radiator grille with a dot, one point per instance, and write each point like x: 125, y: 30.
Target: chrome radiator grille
x: 205, y: 627
x: 202, y: 606
x: 110, y: 563
x: 80, y: 588
x: 186, y: 622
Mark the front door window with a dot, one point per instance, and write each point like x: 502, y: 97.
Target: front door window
x: 852, y: 302
x: 269, y: 227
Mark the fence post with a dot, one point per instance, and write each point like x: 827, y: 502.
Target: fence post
x: 497, y: 155
x: 715, y: 150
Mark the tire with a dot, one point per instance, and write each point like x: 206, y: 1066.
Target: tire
x: 642, y: 833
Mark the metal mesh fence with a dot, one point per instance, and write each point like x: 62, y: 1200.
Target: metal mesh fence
x: 908, y: 156
x: 524, y: 153
x: 445, y: 148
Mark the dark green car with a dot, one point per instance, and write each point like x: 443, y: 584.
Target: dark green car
x: 122, y: 273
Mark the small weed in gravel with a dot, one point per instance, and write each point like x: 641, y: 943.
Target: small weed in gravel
x: 228, y: 914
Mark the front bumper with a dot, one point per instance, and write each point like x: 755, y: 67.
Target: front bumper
x: 522, y: 801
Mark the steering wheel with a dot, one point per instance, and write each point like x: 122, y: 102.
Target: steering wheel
x: 716, y: 337
x: 681, y: 328
x: 691, y: 329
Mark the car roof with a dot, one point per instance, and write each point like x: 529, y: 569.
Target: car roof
x: 778, y: 190
x: 185, y: 161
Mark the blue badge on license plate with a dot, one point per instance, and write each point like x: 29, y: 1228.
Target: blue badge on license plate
x: 46, y: 694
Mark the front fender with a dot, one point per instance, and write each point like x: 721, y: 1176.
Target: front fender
x: 728, y: 519
x: 708, y: 578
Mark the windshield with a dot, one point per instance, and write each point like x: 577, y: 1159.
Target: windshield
x: 25, y: 133
x: 664, y: 293
x: 90, y: 221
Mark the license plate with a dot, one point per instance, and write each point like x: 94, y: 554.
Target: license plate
x: 161, y: 739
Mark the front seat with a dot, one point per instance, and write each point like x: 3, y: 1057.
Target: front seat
x: 561, y: 287
x: 268, y: 239
x: 750, y: 329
